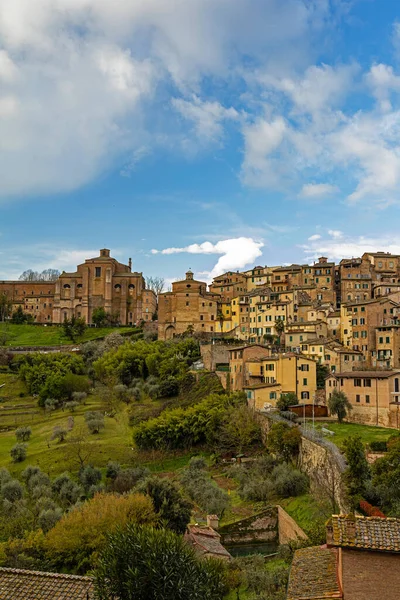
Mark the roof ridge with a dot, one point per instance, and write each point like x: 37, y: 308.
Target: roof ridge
x: 46, y: 574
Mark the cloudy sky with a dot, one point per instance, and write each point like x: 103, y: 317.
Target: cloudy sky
x: 211, y: 134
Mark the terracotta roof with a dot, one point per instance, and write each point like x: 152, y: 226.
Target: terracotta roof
x: 206, y: 541
x: 368, y: 533
x: 314, y: 574
x: 18, y: 584
x: 363, y: 374
x: 260, y: 386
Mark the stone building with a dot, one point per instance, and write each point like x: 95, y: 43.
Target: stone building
x: 98, y: 282
x: 189, y: 305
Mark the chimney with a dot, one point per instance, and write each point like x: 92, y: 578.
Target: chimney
x: 130, y: 264
x: 212, y: 521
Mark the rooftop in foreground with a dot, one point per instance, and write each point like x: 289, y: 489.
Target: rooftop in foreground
x: 18, y: 584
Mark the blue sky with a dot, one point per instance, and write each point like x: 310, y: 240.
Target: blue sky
x: 211, y: 134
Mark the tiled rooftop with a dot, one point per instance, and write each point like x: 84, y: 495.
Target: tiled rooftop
x: 206, y: 541
x: 18, y: 584
x: 368, y: 533
x: 314, y: 574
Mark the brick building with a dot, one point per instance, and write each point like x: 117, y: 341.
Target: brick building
x: 188, y: 305
x: 359, y: 562
x: 98, y: 282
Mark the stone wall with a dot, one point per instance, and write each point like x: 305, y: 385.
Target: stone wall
x: 215, y: 354
x: 321, y: 461
x: 288, y: 528
x: 272, y: 525
x: 259, y: 528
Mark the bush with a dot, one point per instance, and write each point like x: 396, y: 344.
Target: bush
x: 89, y: 476
x: 257, y: 490
x: 82, y: 532
x: 23, y: 434
x: 378, y: 446
x: 286, y: 400
x: 127, y: 479
x: 112, y: 471
x: 204, y: 492
x: 165, y: 567
x: 71, y: 405
x: 371, y: 511
x: 48, y: 518
x: 173, y: 510
x: 289, y: 482
x: 18, y: 453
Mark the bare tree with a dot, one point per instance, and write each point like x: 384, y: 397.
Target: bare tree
x: 46, y: 275
x: 78, y: 450
x: 156, y: 284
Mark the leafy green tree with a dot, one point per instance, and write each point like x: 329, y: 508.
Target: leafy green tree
x: 239, y: 429
x: 284, y: 441
x: 358, y: 471
x: 59, y: 434
x: 99, y: 317
x: 18, y: 453
x: 12, y: 491
x: 23, y: 433
x: 386, y: 478
x: 5, y: 306
x: 322, y: 374
x: 74, y: 327
x: 286, y: 401
x: 89, y: 476
x: 280, y: 328
x: 165, y: 567
x: 19, y: 317
x: 94, y: 421
x: 169, y: 504
x: 339, y: 405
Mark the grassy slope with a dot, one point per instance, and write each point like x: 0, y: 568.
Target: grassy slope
x: 368, y: 433
x: 35, y: 335
x: 113, y: 443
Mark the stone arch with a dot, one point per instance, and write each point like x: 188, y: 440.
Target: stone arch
x: 169, y: 332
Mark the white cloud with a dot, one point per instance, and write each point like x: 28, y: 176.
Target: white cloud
x: 236, y: 253
x: 343, y: 246
x: 314, y: 238
x: 317, y: 190
x: 207, y: 117
x: 89, y: 76
x: 335, y: 233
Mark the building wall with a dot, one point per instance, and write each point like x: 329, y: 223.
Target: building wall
x: 370, y: 575
x: 372, y: 401
x: 112, y: 286
x: 188, y: 305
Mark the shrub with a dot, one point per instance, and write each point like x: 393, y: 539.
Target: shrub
x: 23, y: 434
x: 83, y: 531
x: 127, y: 479
x: 286, y: 400
x: 89, y: 476
x: 169, y: 504
x: 378, y: 446
x: 71, y: 405
x: 18, y: 453
x: 165, y: 567
x: 48, y: 518
x: 257, y: 490
x: 113, y: 468
x: 289, y: 482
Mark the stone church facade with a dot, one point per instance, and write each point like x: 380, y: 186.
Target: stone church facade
x: 98, y: 282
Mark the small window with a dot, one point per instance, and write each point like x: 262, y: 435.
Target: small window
x: 79, y: 286
x: 131, y: 286
x: 97, y: 271
x: 304, y: 381
x: 187, y: 303
x: 67, y: 286
x: 367, y: 399
x: 357, y: 382
x: 367, y: 383
x: 357, y: 397
x: 117, y: 286
x: 188, y: 285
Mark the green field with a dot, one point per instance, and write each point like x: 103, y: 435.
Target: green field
x: 368, y: 433
x: 37, y: 335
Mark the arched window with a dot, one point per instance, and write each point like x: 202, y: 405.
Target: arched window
x: 79, y: 286
x: 131, y: 286
x: 67, y: 286
x: 188, y: 285
x: 117, y: 286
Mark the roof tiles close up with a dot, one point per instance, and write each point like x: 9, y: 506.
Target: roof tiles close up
x: 18, y: 584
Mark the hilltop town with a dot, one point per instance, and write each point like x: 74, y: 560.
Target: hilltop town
x: 225, y: 390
